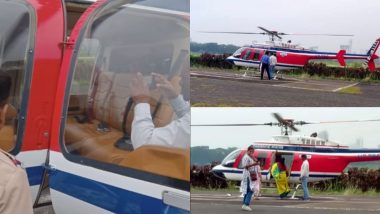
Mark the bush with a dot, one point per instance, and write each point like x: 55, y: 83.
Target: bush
x: 211, y: 60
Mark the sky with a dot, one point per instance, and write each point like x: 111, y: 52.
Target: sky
x: 358, y: 17
x: 242, y: 137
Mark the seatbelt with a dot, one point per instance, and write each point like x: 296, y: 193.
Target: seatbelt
x: 125, y: 142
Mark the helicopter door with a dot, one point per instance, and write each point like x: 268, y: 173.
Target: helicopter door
x: 262, y: 52
x: 30, y: 54
x: 289, y: 158
x: 100, y: 161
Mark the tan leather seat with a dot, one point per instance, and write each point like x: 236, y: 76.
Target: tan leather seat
x: 110, y: 100
x: 85, y: 138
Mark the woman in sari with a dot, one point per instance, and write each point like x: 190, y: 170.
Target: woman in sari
x: 280, y: 174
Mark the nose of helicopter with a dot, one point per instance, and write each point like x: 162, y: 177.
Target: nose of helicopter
x: 230, y: 59
x: 217, y: 171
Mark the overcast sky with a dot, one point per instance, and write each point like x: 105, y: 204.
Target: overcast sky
x: 358, y: 17
x: 241, y: 137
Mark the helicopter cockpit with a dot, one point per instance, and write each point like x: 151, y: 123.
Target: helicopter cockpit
x: 117, y: 45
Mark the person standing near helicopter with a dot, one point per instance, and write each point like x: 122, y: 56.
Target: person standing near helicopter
x: 15, y: 196
x: 304, y: 177
x: 249, y: 177
x: 265, y: 65
x: 272, y: 64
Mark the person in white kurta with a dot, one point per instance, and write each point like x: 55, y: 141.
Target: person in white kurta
x: 247, y: 185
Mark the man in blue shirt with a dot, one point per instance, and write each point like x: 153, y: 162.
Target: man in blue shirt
x: 265, y: 65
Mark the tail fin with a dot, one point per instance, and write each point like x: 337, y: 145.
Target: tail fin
x: 340, y: 57
x: 372, y: 56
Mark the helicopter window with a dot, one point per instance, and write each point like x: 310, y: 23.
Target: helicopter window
x: 238, y: 53
x: 118, y: 53
x: 247, y: 54
x: 231, y: 158
x: 15, y: 36
x: 256, y: 55
x: 262, y: 157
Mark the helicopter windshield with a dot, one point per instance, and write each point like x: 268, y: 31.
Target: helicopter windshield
x: 230, y: 159
x: 238, y: 52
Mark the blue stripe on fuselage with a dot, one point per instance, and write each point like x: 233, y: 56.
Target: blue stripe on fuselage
x: 35, y: 174
x: 106, y: 196
x: 258, y: 62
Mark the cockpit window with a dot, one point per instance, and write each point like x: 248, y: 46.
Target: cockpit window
x: 231, y: 158
x: 15, y: 35
x: 129, y: 96
x: 238, y: 52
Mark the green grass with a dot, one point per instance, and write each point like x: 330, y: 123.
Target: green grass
x: 351, y: 90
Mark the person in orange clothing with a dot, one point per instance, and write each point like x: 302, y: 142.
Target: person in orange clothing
x: 15, y: 196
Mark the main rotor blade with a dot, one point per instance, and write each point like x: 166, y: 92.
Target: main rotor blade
x: 266, y: 30
x: 231, y: 32
x: 278, y: 117
x: 239, y: 124
x: 293, y: 128
x: 346, y: 121
x: 332, y: 122
x: 315, y: 34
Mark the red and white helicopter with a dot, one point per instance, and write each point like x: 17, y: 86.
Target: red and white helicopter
x: 291, y: 56
x: 69, y: 57
x: 327, y: 159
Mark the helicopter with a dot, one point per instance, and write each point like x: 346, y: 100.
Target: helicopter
x: 70, y: 108
x: 320, y: 153
x: 292, y: 56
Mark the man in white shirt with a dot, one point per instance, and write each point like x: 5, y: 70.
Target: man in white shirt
x: 304, y: 177
x: 176, y: 133
x: 272, y: 64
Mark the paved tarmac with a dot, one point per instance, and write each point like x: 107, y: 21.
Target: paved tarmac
x: 226, y: 89
x: 221, y: 203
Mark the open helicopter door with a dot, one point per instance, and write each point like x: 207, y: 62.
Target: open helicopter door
x: 30, y: 54
x: 287, y: 156
x: 95, y: 166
